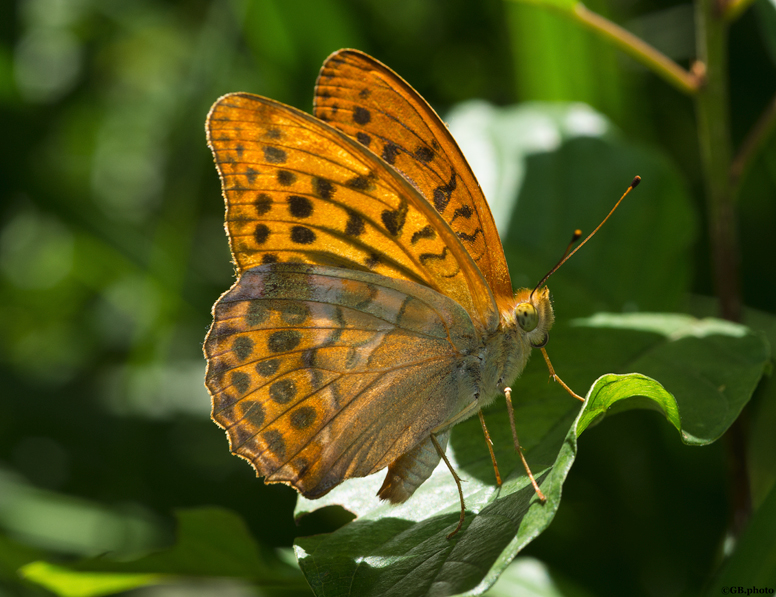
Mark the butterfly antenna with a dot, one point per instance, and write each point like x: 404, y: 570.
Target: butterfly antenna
x: 578, y: 233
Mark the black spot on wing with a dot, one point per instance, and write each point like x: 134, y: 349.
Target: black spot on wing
x: 302, y: 235
x: 442, y: 193
x: 465, y: 211
x: 283, y: 391
x: 283, y: 340
x: 293, y: 313
x: 251, y: 175
x: 426, y: 257
x: 255, y: 414
x: 394, y: 220
x: 323, y: 189
x: 261, y: 233
x: 274, y: 155
x: 372, y: 260
x: 263, y: 204
x: 275, y: 443
x: 363, y: 138
x: 469, y: 237
x: 299, y: 207
x: 355, y: 224
x: 424, y: 154
x: 361, y: 183
x: 285, y: 178
x: 216, y: 371
x: 361, y: 115
x: 390, y: 151
x: 267, y: 368
x: 241, y: 381
x: 425, y: 232
x: 303, y: 417
x: 257, y: 313
x: 242, y: 347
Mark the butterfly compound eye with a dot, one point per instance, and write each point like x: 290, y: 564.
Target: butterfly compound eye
x: 527, y: 316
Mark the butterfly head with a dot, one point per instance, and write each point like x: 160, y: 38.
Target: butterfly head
x: 534, y: 315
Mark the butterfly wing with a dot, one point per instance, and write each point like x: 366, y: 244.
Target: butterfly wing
x: 298, y: 190
x: 370, y: 103
x: 319, y: 374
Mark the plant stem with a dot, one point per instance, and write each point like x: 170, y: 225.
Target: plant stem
x: 635, y: 47
x: 712, y: 105
x: 638, y: 49
x: 712, y: 109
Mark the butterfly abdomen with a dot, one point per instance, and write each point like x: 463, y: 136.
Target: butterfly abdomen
x: 411, y: 470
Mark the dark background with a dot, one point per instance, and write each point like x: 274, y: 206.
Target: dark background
x: 112, y: 252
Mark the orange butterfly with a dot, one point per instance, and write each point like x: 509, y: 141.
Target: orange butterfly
x: 374, y: 308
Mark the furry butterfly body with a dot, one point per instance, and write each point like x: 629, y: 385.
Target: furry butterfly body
x: 373, y: 308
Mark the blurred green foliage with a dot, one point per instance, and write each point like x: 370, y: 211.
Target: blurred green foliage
x: 112, y: 252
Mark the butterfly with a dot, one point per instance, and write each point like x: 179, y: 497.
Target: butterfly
x: 373, y: 308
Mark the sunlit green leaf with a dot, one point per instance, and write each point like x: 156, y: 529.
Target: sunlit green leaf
x: 68, y: 583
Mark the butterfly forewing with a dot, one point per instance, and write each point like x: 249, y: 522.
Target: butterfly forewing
x: 319, y: 374
x: 370, y: 103
x: 299, y: 191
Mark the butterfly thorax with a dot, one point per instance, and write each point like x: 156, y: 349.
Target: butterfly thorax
x: 524, y: 325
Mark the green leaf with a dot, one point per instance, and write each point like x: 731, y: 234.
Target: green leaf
x: 403, y: 550
x: 211, y: 542
x: 761, y: 443
x: 711, y: 376
x: 68, y: 583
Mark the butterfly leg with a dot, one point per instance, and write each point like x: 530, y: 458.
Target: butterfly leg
x: 554, y: 376
x: 490, y: 447
x: 457, y: 482
x: 508, y: 394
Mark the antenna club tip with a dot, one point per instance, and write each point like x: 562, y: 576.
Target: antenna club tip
x: 576, y: 236
x: 636, y: 181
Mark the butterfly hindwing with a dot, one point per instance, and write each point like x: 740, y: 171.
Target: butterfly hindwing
x: 319, y: 374
x: 298, y: 190
x: 373, y: 105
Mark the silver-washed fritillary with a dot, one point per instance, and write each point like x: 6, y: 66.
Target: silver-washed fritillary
x: 373, y: 307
